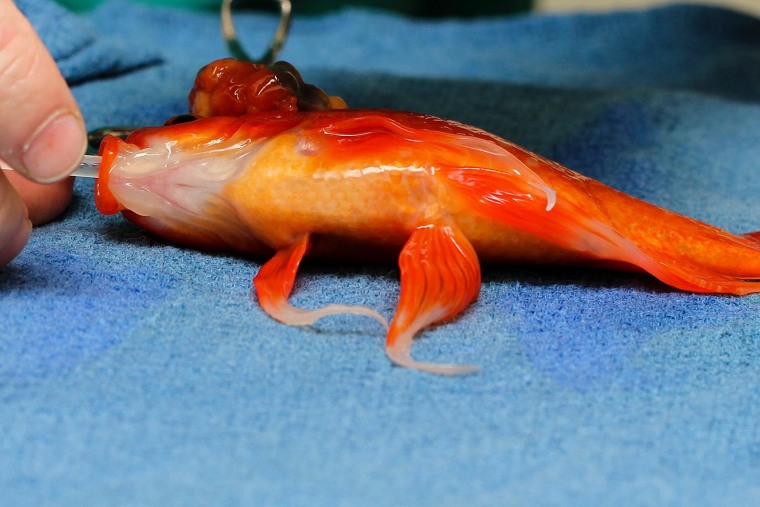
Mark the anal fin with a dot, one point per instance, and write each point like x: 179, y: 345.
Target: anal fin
x: 274, y: 283
x: 440, y: 277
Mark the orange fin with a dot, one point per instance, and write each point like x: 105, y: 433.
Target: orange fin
x: 274, y: 283
x: 605, y: 225
x: 490, y: 190
x: 754, y: 236
x: 440, y: 276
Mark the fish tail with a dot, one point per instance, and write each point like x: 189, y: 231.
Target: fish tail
x: 683, y: 252
x: 611, y: 228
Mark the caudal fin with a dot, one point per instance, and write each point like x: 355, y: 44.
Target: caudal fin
x: 609, y: 227
x: 681, y: 251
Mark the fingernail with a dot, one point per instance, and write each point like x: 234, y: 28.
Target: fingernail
x: 55, y: 148
x: 16, y: 244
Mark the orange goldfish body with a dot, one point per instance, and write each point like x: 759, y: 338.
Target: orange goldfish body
x: 369, y: 184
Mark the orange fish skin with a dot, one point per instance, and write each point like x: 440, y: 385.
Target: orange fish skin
x: 369, y: 184
x: 363, y: 198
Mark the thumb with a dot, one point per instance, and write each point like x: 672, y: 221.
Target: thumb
x: 15, y: 227
x: 43, y: 134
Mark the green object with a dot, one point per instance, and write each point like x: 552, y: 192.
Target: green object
x: 423, y: 8
x: 85, y: 5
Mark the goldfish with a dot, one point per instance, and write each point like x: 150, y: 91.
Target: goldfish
x: 439, y: 196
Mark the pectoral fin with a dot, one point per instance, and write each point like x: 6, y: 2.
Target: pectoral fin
x: 440, y: 276
x: 274, y: 283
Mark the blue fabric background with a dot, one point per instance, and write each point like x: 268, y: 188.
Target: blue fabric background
x: 133, y: 372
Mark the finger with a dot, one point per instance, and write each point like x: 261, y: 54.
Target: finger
x: 43, y: 133
x: 44, y: 202
x: 15, y: 228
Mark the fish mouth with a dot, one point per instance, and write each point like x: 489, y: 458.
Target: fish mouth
x: 105, y: 200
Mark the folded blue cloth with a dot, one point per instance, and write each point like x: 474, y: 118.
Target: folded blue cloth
x: 81, y: 51
x: 133, y: 372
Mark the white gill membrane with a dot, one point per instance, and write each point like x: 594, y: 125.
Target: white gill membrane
x: 173, y: 185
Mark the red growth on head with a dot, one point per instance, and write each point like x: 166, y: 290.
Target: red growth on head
x: 230, y: 87
x: 233, y: 87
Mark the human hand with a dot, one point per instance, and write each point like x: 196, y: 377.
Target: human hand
x: 43, y: 135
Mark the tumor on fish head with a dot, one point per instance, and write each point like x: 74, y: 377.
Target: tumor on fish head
x: 233, y: 87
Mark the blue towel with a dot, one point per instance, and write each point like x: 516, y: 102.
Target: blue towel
x: 134, y: 372
x: 81, y: 51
